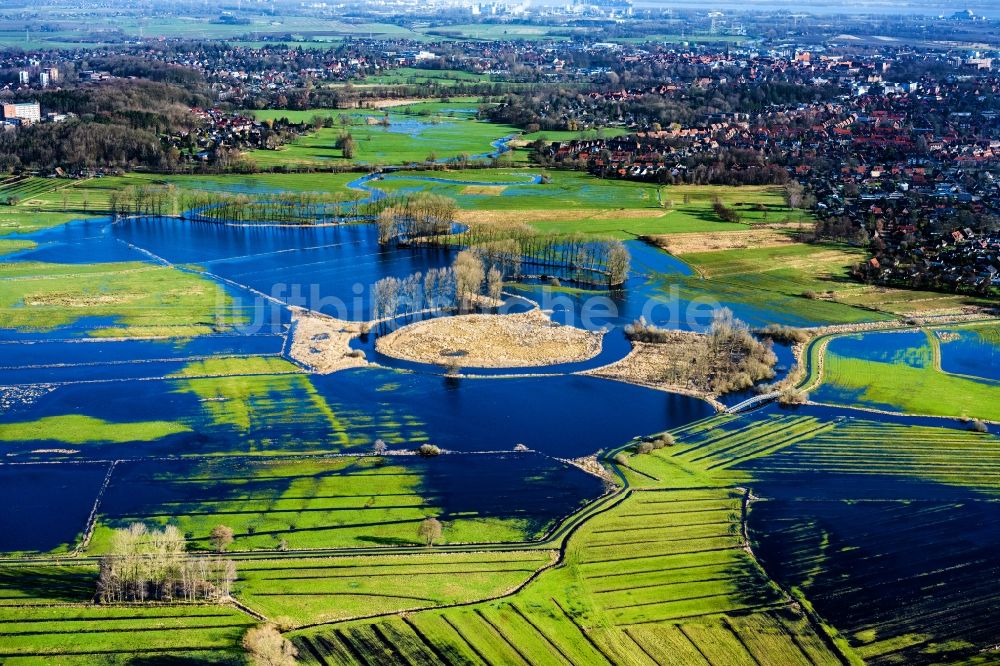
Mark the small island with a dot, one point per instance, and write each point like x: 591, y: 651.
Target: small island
x: 524, y: 340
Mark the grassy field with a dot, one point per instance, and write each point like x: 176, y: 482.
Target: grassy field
x: 310, y: 590
x: 783, y: 278
x: 131, y: 299
x: 46, y: 617
x: 79, y: 429
x: 445, y: 132
x: 503, y: 31
x: 10, y: 246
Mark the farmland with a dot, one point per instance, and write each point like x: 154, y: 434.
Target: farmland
x: 659, y: 571
x: 842, y: 501
x: 46, y: 615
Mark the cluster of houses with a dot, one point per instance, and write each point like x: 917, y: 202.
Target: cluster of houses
x: 221, y: 132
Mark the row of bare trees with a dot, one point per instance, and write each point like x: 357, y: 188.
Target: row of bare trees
x: 153, y: 565
x: 577, y: 256
x: 281, y: 208
x: 406, y: 218
x: 146, y: 200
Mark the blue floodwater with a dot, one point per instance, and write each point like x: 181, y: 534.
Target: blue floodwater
x: 907, y: 347
x: 45, y: 506
x: 971, y: 354
x: 565, y: 416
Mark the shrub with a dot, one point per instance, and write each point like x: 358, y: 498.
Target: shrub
x: 266, y: 646
x: 666, y: 439
x: 644, y: 447
x: 785, y: 334
x: 810, y: 294
x: 429, y: 450
x: 978, y: 425
x: 641, y: 331
x: 620, y: 459
x: 792, y: 396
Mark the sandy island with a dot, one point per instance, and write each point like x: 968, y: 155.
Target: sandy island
x: 323, y: 343
x: 523, y: 340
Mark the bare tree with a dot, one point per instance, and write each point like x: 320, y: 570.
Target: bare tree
x: 494, y: 283
x: 429, y: 531
x: 221, y: 538
x: 469, y: 276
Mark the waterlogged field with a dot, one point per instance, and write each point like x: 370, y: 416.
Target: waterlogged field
x: 92, y: 195
x: 883, y: 527
x: 134, y: 299
x: 345, y: 501
x: 971, y: 350
x: 658, y: 577
x: 902, y: 372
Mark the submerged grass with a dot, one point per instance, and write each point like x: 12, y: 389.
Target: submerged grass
x: 135, y: 299
x: 80, y: 429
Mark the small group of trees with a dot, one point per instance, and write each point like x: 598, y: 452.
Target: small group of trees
x: 458, y: 287
x: 727, y: 358
x: 725, y: 213
x: 154, y: 565
x: 346, y: 145
x: 741, y: 359
x: 145, y: 200
x: 433, y: 292
x: 281, y: 208
x: 650, y: 445
x: 408, y: 218
x: 577, y: 257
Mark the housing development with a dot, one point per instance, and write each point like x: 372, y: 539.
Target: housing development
x: 595, y: 332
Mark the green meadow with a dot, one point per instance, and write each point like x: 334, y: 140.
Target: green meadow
x: 80, y: 429
x: 327, y: 589
x: 47, y: 617
x: 445, y: 132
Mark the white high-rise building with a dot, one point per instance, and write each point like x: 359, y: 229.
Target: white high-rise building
x: 27, y: 111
